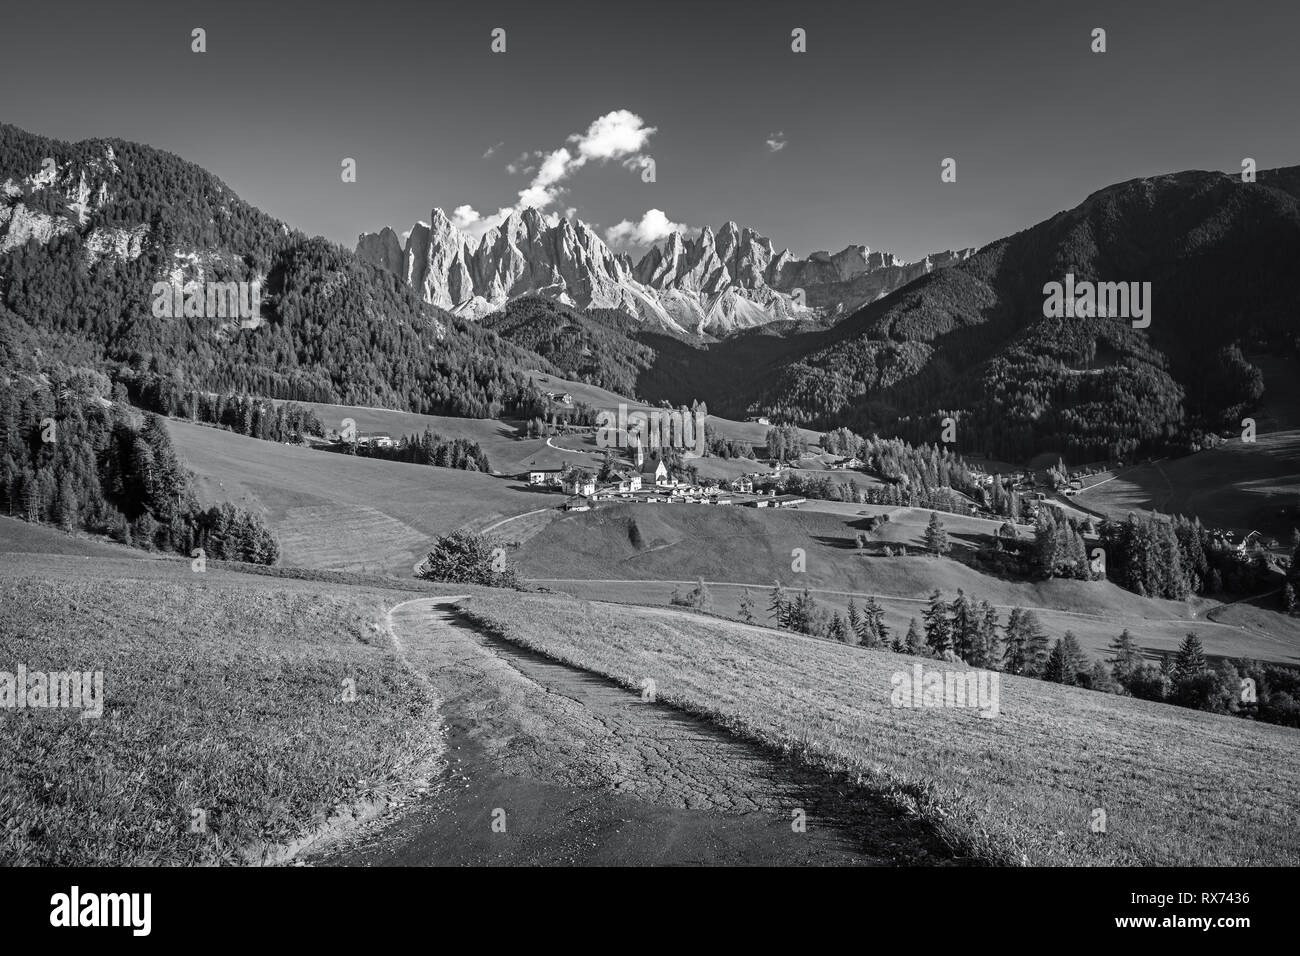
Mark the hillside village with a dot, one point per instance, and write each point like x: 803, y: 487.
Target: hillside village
x: 648, y: 480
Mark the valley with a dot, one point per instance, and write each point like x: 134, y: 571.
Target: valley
x: 910, y: 464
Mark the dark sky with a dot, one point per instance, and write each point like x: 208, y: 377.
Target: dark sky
x: 886, y: 90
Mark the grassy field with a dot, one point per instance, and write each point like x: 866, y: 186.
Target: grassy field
x: 18, y: 537
x: 1177, y: 786
x: 223, y: 692
x: 664, y: 543
x: 1239, y: 486
x: 337, y: 511
x: 507, y: 454
x: 597, y: 397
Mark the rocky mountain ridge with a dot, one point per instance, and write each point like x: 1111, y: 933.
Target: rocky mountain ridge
x: 714, y: 283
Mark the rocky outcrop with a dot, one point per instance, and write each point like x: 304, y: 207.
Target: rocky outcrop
x: 57, y: 199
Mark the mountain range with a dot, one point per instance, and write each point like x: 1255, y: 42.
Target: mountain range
x: 714, y: 283
x: 444, y: 325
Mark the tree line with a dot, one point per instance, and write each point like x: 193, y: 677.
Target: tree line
x: 85, y: 465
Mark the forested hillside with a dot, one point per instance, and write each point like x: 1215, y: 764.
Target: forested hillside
x: 972, y: 340
x: 596, y: 348
x: 331, y: 328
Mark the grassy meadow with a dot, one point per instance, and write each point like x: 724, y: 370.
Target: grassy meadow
x: 1178, y: 787
x: 342, y: 512
x: 222, y: 692
x: 592, y: 554
x: 1238, y: 486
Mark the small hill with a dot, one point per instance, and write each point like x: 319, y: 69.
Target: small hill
x: 638, y: 553
x: 342, y: 512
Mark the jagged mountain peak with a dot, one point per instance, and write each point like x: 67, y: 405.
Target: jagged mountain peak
x: 716, y: 282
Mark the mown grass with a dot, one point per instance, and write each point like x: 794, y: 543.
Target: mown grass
x: 220, y: 697
x: 1178, y: 787
x: 344, y: 512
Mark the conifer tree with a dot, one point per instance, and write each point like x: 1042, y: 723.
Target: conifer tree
x: 779, y: 607
x: 938, y: 630
x: 1126, y: 659
x: 936, y: 538
x: 1191, y: 658
x: 747, y: 607
x: 914, y: 642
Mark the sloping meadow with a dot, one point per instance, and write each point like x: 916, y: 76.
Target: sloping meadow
x: 1059, y: 775
x: 234, y: 717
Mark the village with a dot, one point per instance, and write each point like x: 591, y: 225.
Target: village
x: 649, y: 481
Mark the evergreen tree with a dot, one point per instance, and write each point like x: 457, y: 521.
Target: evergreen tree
x: 855, y: 624
x: 938, y: 630
x: 1191, y: 658
x: 1057, y: 669
x: 914, y: 642
x: 779, y: 607
x: 874, y: 617
x: 936, y: 538
x: 1026, y: 649
x: 1126, y: 659
x: 747, y: 607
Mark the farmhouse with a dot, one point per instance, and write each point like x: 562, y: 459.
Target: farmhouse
x: 375, y: 439
x: 628, y: 483
x: 580, y: 484
x: 786, y: 501
x: 744, y: 484
x: 580, y: 503
x: 544, y: 476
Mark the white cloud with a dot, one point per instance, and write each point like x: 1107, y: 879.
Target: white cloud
x: 619, y: 135
x: 613, y: 136
x: 487, y: 154
x: 462, y: 217
x: 653, y: 227
x: 776, y: 141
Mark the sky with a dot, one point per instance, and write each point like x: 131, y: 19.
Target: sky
x: 838, y: 145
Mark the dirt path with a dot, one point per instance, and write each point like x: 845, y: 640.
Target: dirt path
x: 584, y: 772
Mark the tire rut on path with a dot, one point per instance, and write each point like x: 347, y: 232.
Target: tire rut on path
x: 582, y: 771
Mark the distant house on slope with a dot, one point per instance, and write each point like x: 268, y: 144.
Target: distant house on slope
x: 375, y: 439
x: 580, y: 503
x: 544, y: 476
x: 628, y: 483
x: 580, y: 484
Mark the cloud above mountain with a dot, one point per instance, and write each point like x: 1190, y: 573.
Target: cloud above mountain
x: 653, y: 227
x: 620, y: 136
